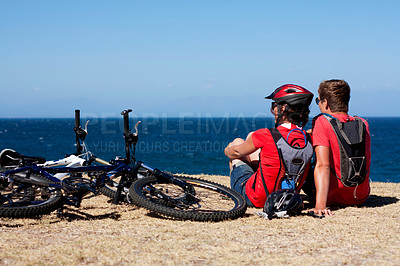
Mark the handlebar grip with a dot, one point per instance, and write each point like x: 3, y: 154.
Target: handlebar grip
x: 77, y: 118
x: 126, y: 123
x: 125, y: 113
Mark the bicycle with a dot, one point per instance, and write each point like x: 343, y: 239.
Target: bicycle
x: 173, y: 196
x: 19, y: 194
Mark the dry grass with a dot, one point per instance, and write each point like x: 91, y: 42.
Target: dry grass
x: 102, y: 233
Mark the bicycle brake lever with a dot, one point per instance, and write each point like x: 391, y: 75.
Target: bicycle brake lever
x: 87, y: 122
x: 80, y: 132
x: 136, y: 128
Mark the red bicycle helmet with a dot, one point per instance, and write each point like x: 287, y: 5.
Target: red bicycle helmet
x: 292, y: 95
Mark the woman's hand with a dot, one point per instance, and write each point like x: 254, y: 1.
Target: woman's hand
x: 227, y: 147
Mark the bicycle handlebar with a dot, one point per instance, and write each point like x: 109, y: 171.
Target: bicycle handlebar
x: 125, y: 114
x: 79, y: 131
x: 128, y: 136
x: 77, y: 118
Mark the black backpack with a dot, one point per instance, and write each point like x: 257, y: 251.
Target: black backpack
x: 351, y: 139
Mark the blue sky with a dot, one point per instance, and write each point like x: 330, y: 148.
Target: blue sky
x: 178, y: 58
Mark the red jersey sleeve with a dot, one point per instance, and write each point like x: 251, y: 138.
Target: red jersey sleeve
x: 320, y: 133
x: 260, y: 137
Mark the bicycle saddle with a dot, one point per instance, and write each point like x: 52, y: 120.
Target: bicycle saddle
x: 11, y: 158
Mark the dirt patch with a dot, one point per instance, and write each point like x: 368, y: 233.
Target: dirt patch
x: 101, y: 233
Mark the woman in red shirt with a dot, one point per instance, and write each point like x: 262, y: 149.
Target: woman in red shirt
x: 290, y: 109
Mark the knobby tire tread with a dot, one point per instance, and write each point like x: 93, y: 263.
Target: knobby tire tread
x: 45, y: 207
x: 107, y: 191
x: 138, y: 198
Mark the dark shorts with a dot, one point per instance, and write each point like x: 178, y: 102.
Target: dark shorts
x: 241, y: 172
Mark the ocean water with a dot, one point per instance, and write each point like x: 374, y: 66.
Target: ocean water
x: 179, y: 145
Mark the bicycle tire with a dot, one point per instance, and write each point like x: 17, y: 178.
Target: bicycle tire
x: 110, y: 190
x: 228, y: 204
x: 19, y: 200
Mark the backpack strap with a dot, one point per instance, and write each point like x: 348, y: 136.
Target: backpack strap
x: 276, y: 136
x: 262, y: 177
x: 327, y: 116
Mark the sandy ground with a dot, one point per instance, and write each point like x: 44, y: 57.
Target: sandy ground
x: 100, y: 233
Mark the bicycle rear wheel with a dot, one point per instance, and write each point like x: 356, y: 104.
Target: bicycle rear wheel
x: 210, y: 202
x: 19, y: 200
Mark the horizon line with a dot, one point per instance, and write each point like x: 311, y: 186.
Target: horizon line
x: 167, y: 117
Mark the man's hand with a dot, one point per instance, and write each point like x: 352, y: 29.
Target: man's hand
x: 321, y: 212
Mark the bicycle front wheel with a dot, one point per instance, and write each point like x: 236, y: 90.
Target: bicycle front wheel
x: 19, y: 200
x: 209, y: 202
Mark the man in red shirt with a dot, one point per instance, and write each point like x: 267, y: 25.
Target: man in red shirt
x: 334, y: 96
x: 248, y: 174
